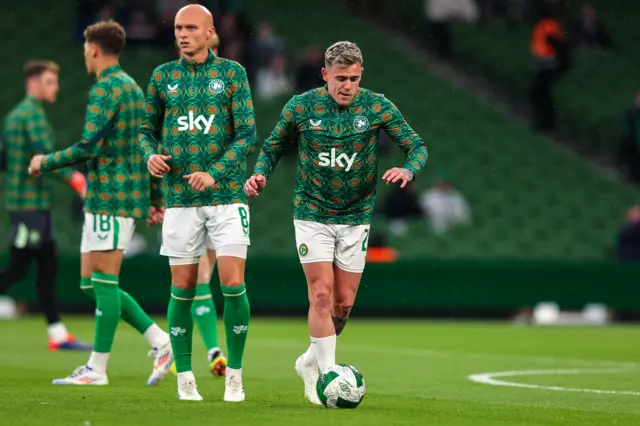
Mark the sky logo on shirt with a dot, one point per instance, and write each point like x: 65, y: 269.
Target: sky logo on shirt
x: 343, y: 161
x: 191, y: 122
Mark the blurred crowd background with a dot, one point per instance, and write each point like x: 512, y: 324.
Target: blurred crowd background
x: 546, y: 166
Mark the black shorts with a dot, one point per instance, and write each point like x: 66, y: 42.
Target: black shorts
x: 30, y: 229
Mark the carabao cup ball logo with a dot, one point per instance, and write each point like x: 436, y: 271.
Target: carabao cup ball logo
x: 216, y: 86
x: 360, y: 123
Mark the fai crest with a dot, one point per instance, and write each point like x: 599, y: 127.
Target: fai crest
x: 360, y: 123
x: 216, y: 86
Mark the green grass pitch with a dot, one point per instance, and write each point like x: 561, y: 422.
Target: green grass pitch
x: 416, y: 372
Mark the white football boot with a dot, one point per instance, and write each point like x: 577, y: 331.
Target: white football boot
x: 309, y: 374
x: 187, y: 389
x: 83, y: 375
x: 162, y: 362
x: 233, y: 389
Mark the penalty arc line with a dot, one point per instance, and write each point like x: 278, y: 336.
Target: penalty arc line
x: 490, y: 379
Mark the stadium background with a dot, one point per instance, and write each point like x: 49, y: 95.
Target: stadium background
x: 545, y: 208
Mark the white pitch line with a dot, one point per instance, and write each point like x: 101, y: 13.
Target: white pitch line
x: 489, y: 379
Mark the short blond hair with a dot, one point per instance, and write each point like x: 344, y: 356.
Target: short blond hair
x: 342, y: 54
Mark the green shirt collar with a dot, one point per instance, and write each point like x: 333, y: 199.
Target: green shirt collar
x: 186, y: 62
x: 110, y: 70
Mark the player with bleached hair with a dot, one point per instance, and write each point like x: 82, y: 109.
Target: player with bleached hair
x: 336, y: 128
x: 202, y: 106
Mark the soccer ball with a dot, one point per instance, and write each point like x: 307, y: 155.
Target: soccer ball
x: 342, y: 386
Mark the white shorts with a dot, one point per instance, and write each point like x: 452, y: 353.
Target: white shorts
x: 106, y: 233
x: 188, y: 232
x: 344, y: 245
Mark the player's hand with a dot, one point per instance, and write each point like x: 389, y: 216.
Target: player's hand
x: 156, y: 216
x: 396, y: 174
x: 36, y: 164
x: 255, y: 185
x: 200, y: 181
x: 158, y: 166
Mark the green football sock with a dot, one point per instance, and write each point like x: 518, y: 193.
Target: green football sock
x: 105, y: 287
x: 204, y: 313
x: 131, y: 313
x: 181, y: 326
x: 236, y: 322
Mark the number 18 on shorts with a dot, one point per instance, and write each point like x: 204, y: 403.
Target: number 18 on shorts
x: 106, y: 233
x: 344, y: 245
x: 188, y: 232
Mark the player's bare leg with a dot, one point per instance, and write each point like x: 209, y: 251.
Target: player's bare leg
x: 345, y: 288
x: 321, y: 352
x: 231, y: 264
x: 183, y: 290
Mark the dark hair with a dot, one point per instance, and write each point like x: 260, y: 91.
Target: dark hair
x: 37, y: 67
x: 109, y: 35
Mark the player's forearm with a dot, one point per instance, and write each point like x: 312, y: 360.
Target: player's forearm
x: 75, y: 154
x: 235, y: 155
x: 267, y: 160
x: 150, y: 131
x: 157, y: 196
x: 148, y: 143
x: 88, y: 148
x: 417, y: 157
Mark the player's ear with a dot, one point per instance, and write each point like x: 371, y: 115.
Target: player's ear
x: 325, y: 74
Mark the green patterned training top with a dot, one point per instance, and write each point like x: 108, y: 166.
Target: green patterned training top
x: 338, y: 153
x: 26, y: 133
x: 208, y: 125
x: 118, y: 183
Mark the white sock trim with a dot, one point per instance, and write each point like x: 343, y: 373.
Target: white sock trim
x: 234, y: 371
x: 325, y: 350
x: 98, y: 362
x: 155, y: 336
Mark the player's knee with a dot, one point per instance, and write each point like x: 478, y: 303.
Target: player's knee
x: 344, y: 298
x: 342, y: 308
x: 320, y: 295
x: 183, y: 283
x: 184, y: 273
x: 231, y: 281
x: 321, y: 301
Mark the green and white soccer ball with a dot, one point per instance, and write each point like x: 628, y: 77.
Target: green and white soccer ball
x: 342, y: 386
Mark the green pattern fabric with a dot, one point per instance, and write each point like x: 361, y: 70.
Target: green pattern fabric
x: 119, y: 183
x: 208, y: 125
x: 26, y: 133
x: 338, y: 153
